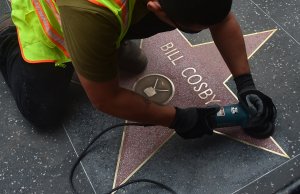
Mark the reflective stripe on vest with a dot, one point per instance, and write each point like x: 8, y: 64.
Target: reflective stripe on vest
x: 122, y: 9
x: 39, y: 31
x: 54, y: 9
x: 39, y: 27
x: 52, y: 34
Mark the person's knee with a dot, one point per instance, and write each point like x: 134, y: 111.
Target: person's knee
x: 46, y: 121
x: 40, y: 91
x: 43, y: 116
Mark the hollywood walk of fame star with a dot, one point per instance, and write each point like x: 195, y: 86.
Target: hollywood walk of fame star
x: 199, y: 74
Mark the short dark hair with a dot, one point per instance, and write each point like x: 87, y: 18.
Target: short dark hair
x: 204, y: 12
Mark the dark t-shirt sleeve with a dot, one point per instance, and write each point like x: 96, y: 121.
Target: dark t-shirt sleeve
x: 90, y: 36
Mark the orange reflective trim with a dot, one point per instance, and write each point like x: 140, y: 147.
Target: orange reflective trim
x: 97, y: 3
x: 27, y: 60
x: 119, y: 2
x: 125, y: 10
x: 122, y: 4
x: 54, y: 10
x: 52, y: 34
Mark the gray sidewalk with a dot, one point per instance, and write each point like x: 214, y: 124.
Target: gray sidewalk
x: 227, y: 162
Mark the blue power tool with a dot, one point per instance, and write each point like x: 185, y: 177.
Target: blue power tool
x: 231, y: 115
x: 235, y: 115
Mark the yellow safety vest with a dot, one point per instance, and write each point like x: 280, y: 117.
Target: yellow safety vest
x: 39, y: 28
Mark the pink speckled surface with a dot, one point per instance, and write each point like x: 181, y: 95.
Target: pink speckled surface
x: 238, y: 134
x: 140, y: 143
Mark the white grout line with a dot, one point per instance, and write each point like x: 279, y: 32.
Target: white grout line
x: 275, y: 22
x: 80, y: 162
x: 266, y: 174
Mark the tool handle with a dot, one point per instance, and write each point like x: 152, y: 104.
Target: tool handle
x: 230, y: 116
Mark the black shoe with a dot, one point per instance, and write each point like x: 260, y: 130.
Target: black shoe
x: 5, y: 22
x: 131, y: 58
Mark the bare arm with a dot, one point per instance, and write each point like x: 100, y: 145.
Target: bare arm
x: 229, y: 39
x: 108, y: 97
x: 230, y: 42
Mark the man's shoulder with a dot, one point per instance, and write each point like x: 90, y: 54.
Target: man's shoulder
x: 85, y: 5
x: 83, y: 8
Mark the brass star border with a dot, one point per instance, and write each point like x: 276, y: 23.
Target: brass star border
x: 174, y: 56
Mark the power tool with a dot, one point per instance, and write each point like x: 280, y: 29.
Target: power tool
x: 230, y: 116
x: 235, y: 115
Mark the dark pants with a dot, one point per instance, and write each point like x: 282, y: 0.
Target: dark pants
x: 40, y: 90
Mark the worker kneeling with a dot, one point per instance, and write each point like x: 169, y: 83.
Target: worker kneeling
x: 48, y: 40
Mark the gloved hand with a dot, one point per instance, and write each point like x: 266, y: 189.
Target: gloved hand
x: 194, y: 122
x: 260, y: 107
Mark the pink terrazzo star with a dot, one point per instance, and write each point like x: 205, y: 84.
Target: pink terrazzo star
x: 198, y: 73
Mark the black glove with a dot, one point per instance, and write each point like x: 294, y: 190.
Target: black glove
x: 194, y: 122
x: 261, y: 109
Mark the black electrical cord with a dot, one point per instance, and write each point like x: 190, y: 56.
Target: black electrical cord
x: 87, y: 150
